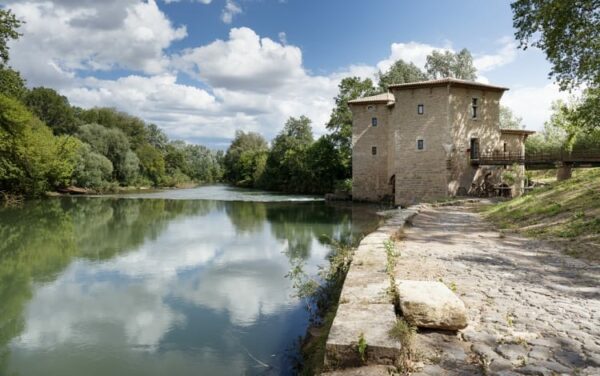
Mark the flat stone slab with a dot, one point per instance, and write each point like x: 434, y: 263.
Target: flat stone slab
x: 363, y: 371
x: 429, y: 304
x: 373, y: 321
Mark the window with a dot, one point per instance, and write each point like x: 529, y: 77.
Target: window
x: 474, y: 149
x: 374, y: 150
x: 474, y: 108
x: 505, y: 147
x: 420, y: 109
x: 420, y: 144
x: 374, y: 121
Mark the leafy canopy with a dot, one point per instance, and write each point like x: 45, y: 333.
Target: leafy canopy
x: 568, y: 31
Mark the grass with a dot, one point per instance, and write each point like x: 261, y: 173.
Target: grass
x: 566, y: 213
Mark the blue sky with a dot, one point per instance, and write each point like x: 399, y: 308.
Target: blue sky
x: 201, y: 69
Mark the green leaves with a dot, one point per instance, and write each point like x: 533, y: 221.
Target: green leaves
x: 568, y: 31
x: 448, y: 64
x: 8, y: 30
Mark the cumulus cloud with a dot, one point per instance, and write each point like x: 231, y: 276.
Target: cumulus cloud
x: 66, y: 36
x: 412, y: 52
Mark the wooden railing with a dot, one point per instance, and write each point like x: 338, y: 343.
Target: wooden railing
x: 578, y: 157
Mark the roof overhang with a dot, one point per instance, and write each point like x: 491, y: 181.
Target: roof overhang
x: 452, y: 82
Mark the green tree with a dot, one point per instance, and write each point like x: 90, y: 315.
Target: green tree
x: 242, y: 161
x: 12, y: 84
x: 340, y: 121
x: 325, y: 165
x: 8, y: 30
x: 152, y: 163
x: 400, y: 72
x: 448, y: 64
x: 287, y: 163
x: 114, y: 145
x: 587, y: 113
x: 32, y: 159
x: 133, y: 127
x: 92, y: 170
x: 156, y: 137
x: 53, y: 109
x: 508, y: 120
x: 568, y: 31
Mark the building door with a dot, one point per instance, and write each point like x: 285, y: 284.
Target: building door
x: 474, y: 148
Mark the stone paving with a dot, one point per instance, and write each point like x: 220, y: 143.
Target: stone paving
x: 532, y: 310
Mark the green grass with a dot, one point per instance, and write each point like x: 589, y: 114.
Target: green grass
x: 567, y: 212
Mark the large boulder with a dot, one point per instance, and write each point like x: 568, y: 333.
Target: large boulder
x: 428, y: 304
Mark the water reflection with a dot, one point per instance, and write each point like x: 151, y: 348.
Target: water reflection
x: 114, y: 286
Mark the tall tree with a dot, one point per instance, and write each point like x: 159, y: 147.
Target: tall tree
x: 568, y: 31
x: 245, y: 159
x: 53, y: 109
x: 287, y: 164
x: 448, y: 64
x: 340, y: 122
x: 8, y: 30
x: 400, y: 72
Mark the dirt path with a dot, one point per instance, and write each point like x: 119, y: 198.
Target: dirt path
x: 532, y: 310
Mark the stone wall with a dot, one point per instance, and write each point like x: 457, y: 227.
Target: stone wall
x: 370, y: 172
x: 420, y: 174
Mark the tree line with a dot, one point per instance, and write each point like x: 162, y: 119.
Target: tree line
x: 47, y: 144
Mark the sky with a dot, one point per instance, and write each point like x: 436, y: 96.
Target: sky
x: 202, y: 69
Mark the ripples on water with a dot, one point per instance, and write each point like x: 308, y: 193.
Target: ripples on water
x: 178, y: 284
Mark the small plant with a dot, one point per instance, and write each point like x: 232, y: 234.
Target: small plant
x: 403, y: 332
x: 510, y: 319
x: 452, y: 287
x: 362, y: 347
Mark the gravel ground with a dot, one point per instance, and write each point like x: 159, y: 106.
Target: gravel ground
x: 532, y: 310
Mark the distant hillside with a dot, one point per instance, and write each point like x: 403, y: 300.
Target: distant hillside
x: 566, y: 213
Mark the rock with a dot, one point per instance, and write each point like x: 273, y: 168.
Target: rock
x: 373, y: 322
x: 363, y: 371
x: 428, y: 304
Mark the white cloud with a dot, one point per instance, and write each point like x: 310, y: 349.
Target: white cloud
x: 229, y: 11
x: 533, y: 104
x: 412, y: 52
x: 505, y: 55
x: 64, y: 36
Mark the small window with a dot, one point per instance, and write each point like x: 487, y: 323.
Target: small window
x: 420, y: 109
x: 505, y: 147
x: 374, y: 150
x: 420, y: 144
x: 474, y: 108
x: 374, y: 121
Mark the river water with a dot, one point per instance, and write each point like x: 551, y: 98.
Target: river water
x: 183, y: 282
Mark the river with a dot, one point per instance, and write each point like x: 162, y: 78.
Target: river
x: 182, y: 282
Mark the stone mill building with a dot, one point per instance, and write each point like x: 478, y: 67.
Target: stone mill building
x: 421, y: 140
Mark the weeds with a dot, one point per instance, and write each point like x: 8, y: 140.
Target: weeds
x: 362, y: 347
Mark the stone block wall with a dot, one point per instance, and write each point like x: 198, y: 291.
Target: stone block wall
x: 370, y: 172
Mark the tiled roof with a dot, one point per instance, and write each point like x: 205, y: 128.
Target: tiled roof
x: 387, y: 98
x: 447, y: 81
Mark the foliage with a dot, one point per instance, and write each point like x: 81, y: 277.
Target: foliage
x: 361, y: 347
x: 152, y: 163
x: 287, y: 163
x: 245, y: 159
x: 400, y: 72
x: 12, y: 84
x: 53, y: 109
x: 133, y: 127
x: 340, y: 121
x: 508, y: 120
x: 325, y: 166
x: 32, y: 159
x: 448, y: 64
x: 92, y: 170
x: 568, y: 31
x: 586, y: 115
x: 8, y: 30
